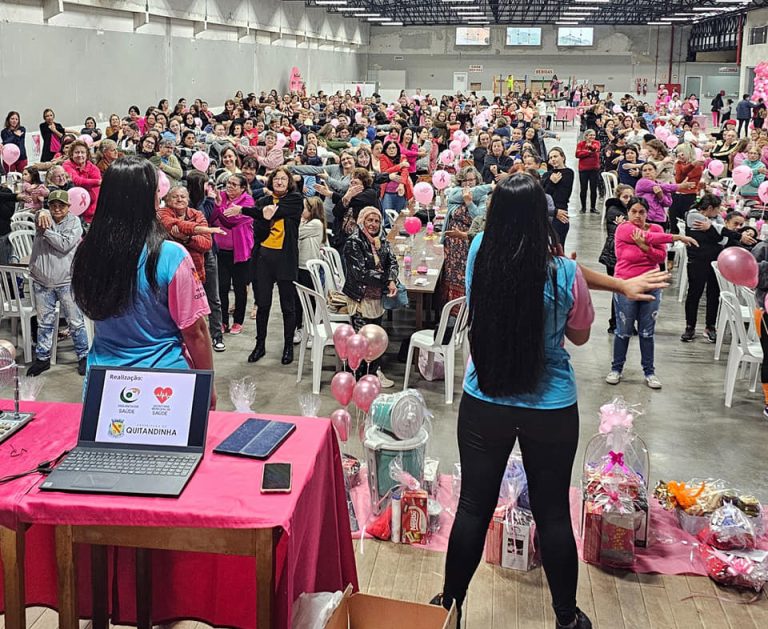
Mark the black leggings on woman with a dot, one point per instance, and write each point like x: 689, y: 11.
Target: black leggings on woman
x: 589, y: 178
x: 236, y: 274
x: 266, y: 278
x: 548, y: 438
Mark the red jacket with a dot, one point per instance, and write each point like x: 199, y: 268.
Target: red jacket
x: 89, y: 178
x: 588, y: 154
x: 688, y: 173
x: 196, y: 244
x: 386, y: 166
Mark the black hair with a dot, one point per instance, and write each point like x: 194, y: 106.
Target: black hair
x: 196, y: 186
x: 506, y: 305
x: 396, y: 159
x: 707, y: 200
x: 105, y: 269
x: 637, y: 200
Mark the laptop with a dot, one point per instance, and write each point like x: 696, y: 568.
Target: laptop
x: 142, y: 432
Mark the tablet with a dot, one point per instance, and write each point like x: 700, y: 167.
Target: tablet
x: 256, y: 438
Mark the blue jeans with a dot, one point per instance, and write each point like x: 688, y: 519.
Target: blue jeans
x: 392, y: 201
x: 627, y: 313
x: 45, y: 305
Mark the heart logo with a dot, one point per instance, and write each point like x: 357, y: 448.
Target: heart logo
x: 163, y: 393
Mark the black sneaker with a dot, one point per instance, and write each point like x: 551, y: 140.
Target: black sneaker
x: 218, y: 345
x: 583, y: 210
x: 82, y: 365
x: 711, y: 335
x: 438, y: 601
x: 594, y: 211
x: 38, y: 366
x: 611, y: 330
x: 688, y: 335
x: 581, y: 621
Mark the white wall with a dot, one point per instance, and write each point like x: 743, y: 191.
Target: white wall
x: 752, y: 55
x: 100, y: 56
x: 430, y: 56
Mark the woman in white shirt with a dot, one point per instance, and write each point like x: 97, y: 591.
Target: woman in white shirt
x: 312, y: 235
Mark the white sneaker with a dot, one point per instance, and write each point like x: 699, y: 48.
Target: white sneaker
x: 385, y: 382
x: 297, y: 336
x: 653, y: 382
x: 309, y: 343
x: 613, y: 378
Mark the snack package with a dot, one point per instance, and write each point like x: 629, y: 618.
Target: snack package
x: 747, y: 569
x: 519, y: 550
x: 415, y: 516
x: 617, y: 533
x: 728, y: 529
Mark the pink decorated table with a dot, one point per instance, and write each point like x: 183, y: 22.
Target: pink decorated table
x: 222, y: 553
x: 565, y: 114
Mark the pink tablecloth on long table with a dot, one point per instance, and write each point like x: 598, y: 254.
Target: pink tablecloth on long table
x: 315, y: 552
x: 565, y: 113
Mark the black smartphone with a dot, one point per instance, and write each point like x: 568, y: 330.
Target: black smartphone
x: 276, y: 478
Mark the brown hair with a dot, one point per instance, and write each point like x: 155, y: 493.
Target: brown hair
x: 286, y: 172
x: 364, y: 175
x: 316, y: 209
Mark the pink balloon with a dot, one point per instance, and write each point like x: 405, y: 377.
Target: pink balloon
x: 662, y: 133
x: 340, y: 337
x: 441, y: 179
x: 762, y: 192
x: 412, y: 225
x: 357, y: 346
x: 699, y: 154
x: 11, y: 154
x: 617, y: 109
x: 455, y: 147
x: 342, y: 385
x: 365, y: 393
x: 377, y: 340
x: 295, y: 136
x: 163, y: 184
x: 201, y: 161
x: 742, y: 175
x: 423, y: 192
x: 716, y: 167
x: 759, y: 225
x: 671, y: 141
x: 372, y: 379
x: 281, y: 141
x: 359, y: 117
x: 464, y: 141
x: 198, y: 122
x: 334, y: 123
x: 86, y: 138
x: 79, y: 200
x: 739, y: 266
x: 447, y: 157
x: 341, y: 420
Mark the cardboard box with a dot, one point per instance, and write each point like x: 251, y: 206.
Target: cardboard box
x: 363, y: 611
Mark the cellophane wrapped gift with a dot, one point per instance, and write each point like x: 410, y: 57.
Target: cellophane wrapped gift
x: 511, y: 540
x: 617, y: 534
x: 746, y: 569
x: 728, y: 529
x: 616, y: 471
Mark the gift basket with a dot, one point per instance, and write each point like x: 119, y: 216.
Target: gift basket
x: 616, y: 468
x: 511, y: 539
x: 695, y: 501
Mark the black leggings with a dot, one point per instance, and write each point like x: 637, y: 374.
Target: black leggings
x: 701, y: 275
x: 763, y: 334
x: 232, y: 273
x: 548, y: 440
x: 743, y: 123
x: 266, y: 278
x: 609, y: 270
x: 591, y: 178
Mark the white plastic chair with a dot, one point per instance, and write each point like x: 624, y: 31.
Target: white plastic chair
x: 22, y: 226
x: 21, y: 242
x: 746, y: 308
x: 318, y: 327
x: 681, y: 260
x: 324, y: 281
x: 610, y: 181
x: 333, y: 258
x: 742, y: 352
x: 23, y: 215
x: 18, y: 304
x: 432, y: 341
x: 393, y: 216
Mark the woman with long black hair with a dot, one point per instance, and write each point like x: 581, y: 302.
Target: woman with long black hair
x: 524, y: 301
x: 141, y: 290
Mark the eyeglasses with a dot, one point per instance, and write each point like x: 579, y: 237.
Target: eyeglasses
x: 280, y: 180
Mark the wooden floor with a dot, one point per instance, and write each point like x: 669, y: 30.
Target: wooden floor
x: 505, y: 599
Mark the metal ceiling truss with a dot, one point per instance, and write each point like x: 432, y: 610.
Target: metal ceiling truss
x: 535, y: 12
x: 714, y: 35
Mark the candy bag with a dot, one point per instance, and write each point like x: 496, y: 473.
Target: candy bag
x: 728, y: 529
x: 747, y: 569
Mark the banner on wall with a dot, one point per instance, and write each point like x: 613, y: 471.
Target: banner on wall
x: 295, y: 83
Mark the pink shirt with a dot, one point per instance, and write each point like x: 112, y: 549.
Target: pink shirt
x: 631, y: 260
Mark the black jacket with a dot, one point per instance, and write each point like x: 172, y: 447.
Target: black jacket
x: 504, y: 163
x: 360, y: 267
x: 7, y: 208
x: 289, y: 209
x: 560, y: 191
x: 47, y: 154
x: 613, y: 209
x: 367, y: 197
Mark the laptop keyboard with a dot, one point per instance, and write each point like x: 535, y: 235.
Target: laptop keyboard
x: 117, y: 462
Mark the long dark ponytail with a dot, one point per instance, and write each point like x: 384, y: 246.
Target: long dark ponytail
x: 506, y: 305
x: 105, y: 269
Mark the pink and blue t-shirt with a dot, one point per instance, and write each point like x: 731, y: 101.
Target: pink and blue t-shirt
x: 149, y: 333
x: 574, y: 310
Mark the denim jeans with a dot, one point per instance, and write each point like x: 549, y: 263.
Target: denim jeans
x: 211, y: 287
x: 627, y: 313
x: 392, y: 201
x: 45, y: 306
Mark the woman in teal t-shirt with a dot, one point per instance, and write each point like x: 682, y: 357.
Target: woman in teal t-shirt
x: 141, y: 290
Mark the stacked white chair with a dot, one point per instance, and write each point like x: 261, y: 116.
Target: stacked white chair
x: 324, y: 281
x: 610, y: 181
x: 743, y: 352
x: 18, y: 304
x: 746, y: 309
x: 332, y: 257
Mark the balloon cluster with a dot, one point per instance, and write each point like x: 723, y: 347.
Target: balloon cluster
x: 761, y: 81
x: 353, y: 348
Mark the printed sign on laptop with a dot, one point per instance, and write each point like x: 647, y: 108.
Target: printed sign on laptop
x: 143, y: 407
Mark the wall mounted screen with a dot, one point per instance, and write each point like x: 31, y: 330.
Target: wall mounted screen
x: 466, y: 36
x: 523, y: 36
x: 574, y: 36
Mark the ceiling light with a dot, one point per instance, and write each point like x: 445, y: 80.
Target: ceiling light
x: 457, y: 1
x: 711, y: 9
x: 379, y: 19
x: 593, y: 1
x: 562, y: 23
x: 574, y: 14
x: 367, y: 14
x: 659, y: 23
x: 321, y: 3
x: 588, y: 8
x: 393, y: 24
x: 677, y: 19
x: 347, y: 8
x: 733, y: 1
x: 471, y: 12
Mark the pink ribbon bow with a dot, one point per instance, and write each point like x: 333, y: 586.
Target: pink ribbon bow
x: 740, y: 566
x: 616, y: 458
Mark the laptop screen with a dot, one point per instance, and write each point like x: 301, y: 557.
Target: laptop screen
x: 146, y: 407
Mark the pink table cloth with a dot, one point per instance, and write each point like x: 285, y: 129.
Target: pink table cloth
x: 314, y: 554
x: 566, y: 113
